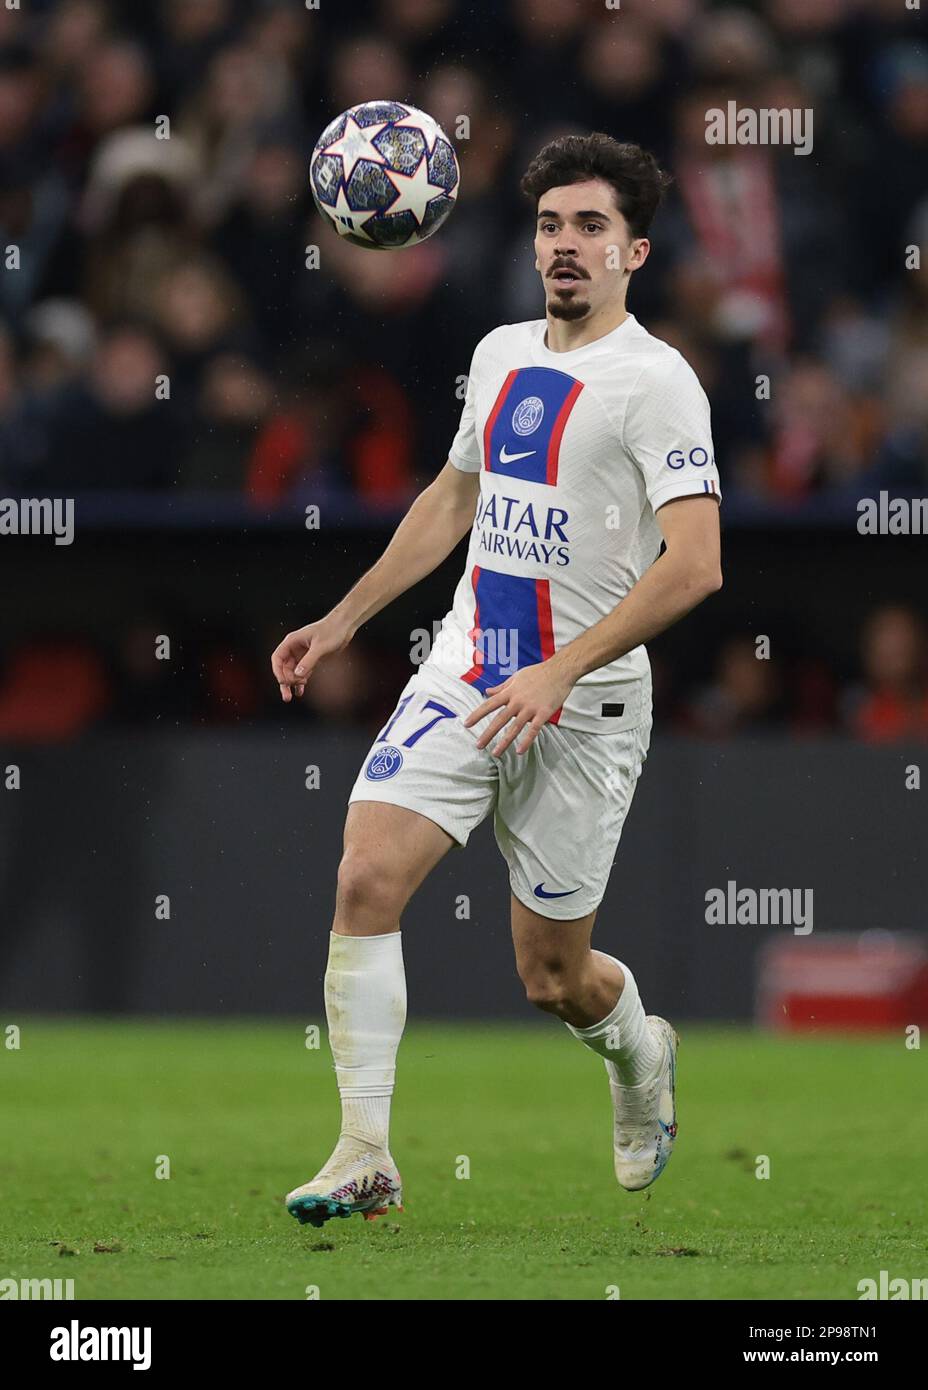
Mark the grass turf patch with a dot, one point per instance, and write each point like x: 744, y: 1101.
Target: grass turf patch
x: 244, y: 1111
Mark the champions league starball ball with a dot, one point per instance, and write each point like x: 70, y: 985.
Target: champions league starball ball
x: 385, y: 175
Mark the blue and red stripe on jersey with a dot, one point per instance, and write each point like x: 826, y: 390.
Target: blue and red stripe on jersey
x: 541, y: 445
x: 503, y: 603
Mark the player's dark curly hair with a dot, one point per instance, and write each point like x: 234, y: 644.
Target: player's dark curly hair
x: 634, y: 174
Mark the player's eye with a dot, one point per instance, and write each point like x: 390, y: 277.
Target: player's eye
x: 594, y: 226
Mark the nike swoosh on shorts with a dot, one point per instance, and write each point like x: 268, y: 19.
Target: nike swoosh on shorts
x: 540, y: 892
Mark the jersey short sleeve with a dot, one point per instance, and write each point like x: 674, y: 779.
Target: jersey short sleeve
x: 668, y: 433
x: 465, y: 448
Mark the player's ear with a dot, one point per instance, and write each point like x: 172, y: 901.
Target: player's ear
x: 642, y: 247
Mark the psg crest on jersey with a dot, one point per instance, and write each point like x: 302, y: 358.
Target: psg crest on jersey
x: 528, y: 415
x: 385, y: 175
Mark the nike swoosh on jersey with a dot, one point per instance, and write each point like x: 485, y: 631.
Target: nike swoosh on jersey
x: 540, y: 892
x: 505, y: 457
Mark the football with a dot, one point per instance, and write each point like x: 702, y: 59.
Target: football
x: 385, y: 175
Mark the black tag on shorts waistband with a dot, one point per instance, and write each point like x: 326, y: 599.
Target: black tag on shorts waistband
x: 612, y: 711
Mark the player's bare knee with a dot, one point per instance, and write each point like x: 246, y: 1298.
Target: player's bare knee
x: 547, y: 990
x: 367, y: 882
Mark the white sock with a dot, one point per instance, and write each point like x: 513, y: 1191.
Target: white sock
x: 365, y: 1004
x: 630, y: 1048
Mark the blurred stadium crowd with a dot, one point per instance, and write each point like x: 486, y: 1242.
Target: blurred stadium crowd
x: 186, y: 256
x: 222, y: 678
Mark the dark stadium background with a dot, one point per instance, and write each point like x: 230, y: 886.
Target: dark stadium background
x: 337, y: 387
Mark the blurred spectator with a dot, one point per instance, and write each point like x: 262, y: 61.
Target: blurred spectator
x: 61, y: 337
x: 248, y: 94
x: 342, y: 689
x: 136, y: 221
x: 822, y: 436
x: 193, y: 35
x: 855, y: 344
x: 111, y: 431
x: 234, y: 400
x: 629, y: 76
x: 260, y: 238
x: 891, y: 703
x: 199, y: 309
x: 36, y: 708
x: 21, y: 101
x: 351, y: 431
x: 427, y: 30
x: 548, y: 36
x: 74, y: 32
x: 744, y: 696
x: 488, y: 202
x: 903, y: 458
x: 115, y: 88
x: 11, y: 425
x: 366, y: 68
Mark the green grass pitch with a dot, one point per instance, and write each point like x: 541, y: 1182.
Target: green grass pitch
x: 244, y: 1111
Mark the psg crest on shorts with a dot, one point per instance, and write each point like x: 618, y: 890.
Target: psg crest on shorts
x: 385, y: 175
x: 385, y: 762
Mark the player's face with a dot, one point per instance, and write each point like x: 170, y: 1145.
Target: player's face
x: 583, y: 249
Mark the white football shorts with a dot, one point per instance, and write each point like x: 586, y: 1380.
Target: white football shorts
x: 558, y: 809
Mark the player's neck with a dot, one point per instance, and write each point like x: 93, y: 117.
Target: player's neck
x: 563, y: 336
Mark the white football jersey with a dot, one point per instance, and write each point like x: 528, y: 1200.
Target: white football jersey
x: 576, y: 452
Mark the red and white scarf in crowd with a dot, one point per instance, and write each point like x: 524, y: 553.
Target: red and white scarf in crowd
x: 732, y: 206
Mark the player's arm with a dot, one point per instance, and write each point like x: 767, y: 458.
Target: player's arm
x: 687, y: 571
x: 437, y: 520
x: 668, y: 435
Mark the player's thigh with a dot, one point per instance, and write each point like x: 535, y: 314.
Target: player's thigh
x: 387, y: 852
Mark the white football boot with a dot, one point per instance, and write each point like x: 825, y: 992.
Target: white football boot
x: 357, y: 1178
x: 645, y: 1117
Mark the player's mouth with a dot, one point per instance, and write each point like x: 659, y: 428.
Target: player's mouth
x: 564, y: 276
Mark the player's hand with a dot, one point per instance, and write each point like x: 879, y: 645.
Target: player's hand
x: 526, y: 701
x: 293, y: 661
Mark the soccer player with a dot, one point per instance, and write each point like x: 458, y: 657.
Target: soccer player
x: 584, y: 442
